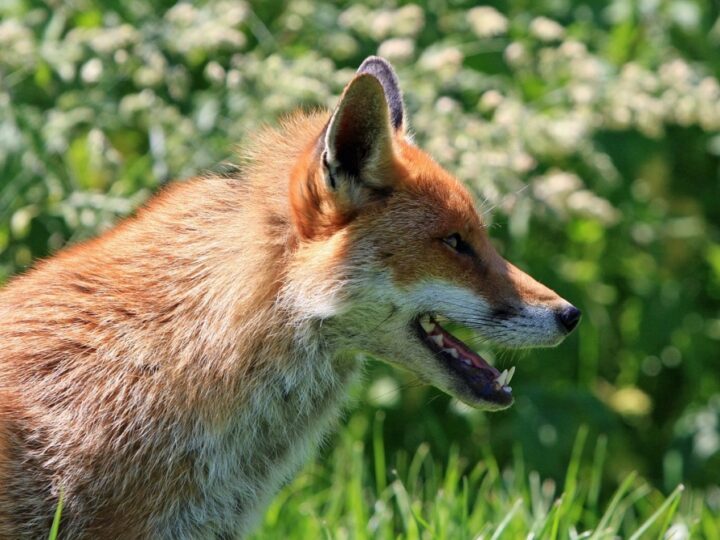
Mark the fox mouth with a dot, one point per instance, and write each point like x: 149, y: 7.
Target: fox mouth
x: 484, y: 382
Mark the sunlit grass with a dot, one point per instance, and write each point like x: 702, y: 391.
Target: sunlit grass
x: 347, y: 496
x: 351, y: 494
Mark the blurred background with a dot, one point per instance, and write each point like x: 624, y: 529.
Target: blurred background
x: 591, y: 128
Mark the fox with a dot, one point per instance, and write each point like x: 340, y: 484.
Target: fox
x: 166, y: 378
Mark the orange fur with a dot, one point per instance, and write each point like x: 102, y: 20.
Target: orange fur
x: 169, y: 375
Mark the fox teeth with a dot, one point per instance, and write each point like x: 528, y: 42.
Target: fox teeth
x: 502, y: 378
x: 437, y: 339
x: 427, y: 325
x: 451, y: 352
x: 510, y: 375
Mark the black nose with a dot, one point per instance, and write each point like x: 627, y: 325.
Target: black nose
x: 569, y: 317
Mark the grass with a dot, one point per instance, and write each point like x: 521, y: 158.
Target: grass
x: 351, y: 495
x: 56, y: 519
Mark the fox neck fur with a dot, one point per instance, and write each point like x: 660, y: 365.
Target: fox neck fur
x: 213, y: 378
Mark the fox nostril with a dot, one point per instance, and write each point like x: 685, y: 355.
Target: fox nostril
x: 569, y: 317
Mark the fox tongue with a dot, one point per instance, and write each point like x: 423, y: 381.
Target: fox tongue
x: 446, y: 341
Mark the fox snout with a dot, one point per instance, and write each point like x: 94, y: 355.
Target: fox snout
x: 568, y: 317
x: 523, y: 312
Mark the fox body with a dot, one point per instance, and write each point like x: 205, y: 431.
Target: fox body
x: 169, y: 376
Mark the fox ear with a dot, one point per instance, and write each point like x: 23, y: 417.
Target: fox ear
x: 358, y: 138
x: 353, y: 161
x: 384, y: 72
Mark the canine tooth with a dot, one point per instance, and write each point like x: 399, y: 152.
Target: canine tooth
x: 510, y: 375
x: 507, y: 388
x: 427, y: 325
x: 502, y: 378
x: 451, y: 352
x: 437, y: 339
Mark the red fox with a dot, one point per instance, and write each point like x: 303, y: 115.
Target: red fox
x: 169, y: 376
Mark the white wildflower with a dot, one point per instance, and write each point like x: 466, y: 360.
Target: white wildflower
x: 67, y: 71
x: 397, y: 49
x: 233, y: 79
x: 686, y: 111
x: 546, y: 29
x: 232, y: 12
x: 382, y: 24
x: 585, y: 203
x: 184, y: 14
x: 214, y: 72
x: 445, y: 59
x: 153, y: 70
x: 676, y: 73
x: 582, y: 94
x: 120, y: 56
x: 709, y: 89
x: 133, y: 103
x: 486, y: 21
x: 556, y: 184
x: 490, y: 100
x: 409, y: 20
x: 355, y: 17
x: 91, y: 71
x: 16, y: 37
x: 108, y: 40
x: 341, y: 44
x: 446, y: 105
x: 589, y: 69
x: 567, y: 133
x: 573, y: 49
x: 515, y: 54
x: 522, y: 162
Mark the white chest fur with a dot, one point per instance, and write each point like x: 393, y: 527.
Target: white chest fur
x: 240, y: 468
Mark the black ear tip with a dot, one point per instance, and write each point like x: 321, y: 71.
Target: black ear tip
x: 383, y: 71
x: 375, y: 62
x: 380, y: 68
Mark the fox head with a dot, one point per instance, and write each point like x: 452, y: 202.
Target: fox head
x: 394, y: 247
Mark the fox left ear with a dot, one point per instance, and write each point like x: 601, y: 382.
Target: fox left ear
x: 359, y: 136
x: 358, y: 163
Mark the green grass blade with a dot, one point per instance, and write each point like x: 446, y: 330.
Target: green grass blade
x: 56, y: 520
x: 671, y: 503
x: 556, y: 514
x: 506, y: 520
x: 597, y: 469
x: 379, y: 453
x: 614, y: 503
x: 408, y: 516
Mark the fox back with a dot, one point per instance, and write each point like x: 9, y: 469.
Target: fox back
x: 167, y: 377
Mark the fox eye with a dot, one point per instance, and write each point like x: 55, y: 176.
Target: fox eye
x: 456, y: 242
x: 453, y: 240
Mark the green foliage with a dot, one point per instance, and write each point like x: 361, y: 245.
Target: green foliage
x: 590, y: 128
x: 419, y: 497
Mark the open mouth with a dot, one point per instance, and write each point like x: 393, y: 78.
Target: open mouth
x: 484, y: 381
